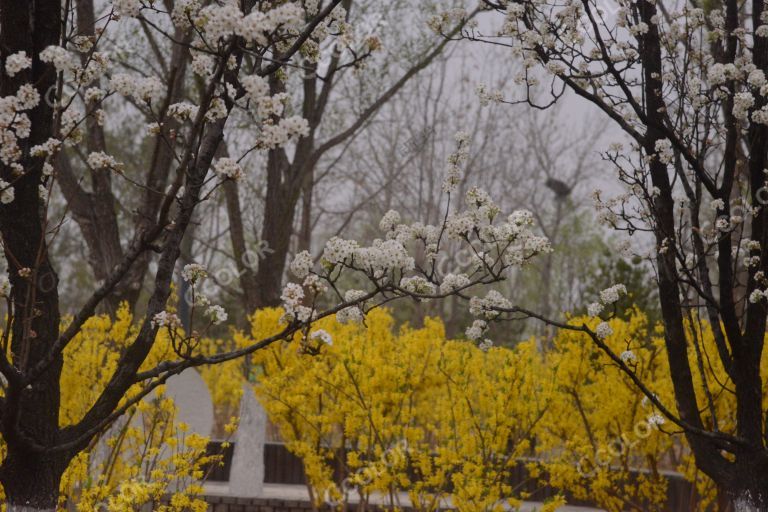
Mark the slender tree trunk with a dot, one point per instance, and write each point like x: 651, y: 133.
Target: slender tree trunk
x: 107, y: 241
x: 284, y: 184
x: 279, y: 210
x: 243, y: 258
x: 305, y: 231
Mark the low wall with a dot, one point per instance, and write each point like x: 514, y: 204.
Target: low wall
x: 226, y: 504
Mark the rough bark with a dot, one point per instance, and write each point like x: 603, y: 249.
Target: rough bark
x: 305, y: 229
x: 30, y: 478
x: 279, y: 211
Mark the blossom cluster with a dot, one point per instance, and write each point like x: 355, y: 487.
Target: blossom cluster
x: 81, y: 67
x: 166, y: 319
x: 17, y: 62
x: 608, y: 296
x: 194, y: 273
x: 228, y: 168
x: 391, y: 264
x: 15, y: 124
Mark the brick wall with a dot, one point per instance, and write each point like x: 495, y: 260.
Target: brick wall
x: 227, y: 504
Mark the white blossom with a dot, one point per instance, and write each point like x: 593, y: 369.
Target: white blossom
x: 276, y: 135
x: 452, y: 282
x: 101, y: 160
x: 140, y: 88
x: 612, y: 294
x: 301, y: 264
x: 594, y: 309
x: 486, y: 97
x: 656, y: 420
x: 219, y: 21
x: 228, y: 168
x: 383, y: 257
x: 488, y: 306
x: 194, y: 272
x: 520, y: 218
x: 6, y: 192
x: 455, y: 161
x: 255, y: 86
x: 639, y: 28
x: 183, y: 110
x: 16, y: 62
x: 417, y: 285
x: 628, y: 357
x: 485, y: 345
x: 183, y: 11
x: 60, y: 58
x: 389, y: 220
x: 458, y: 226
x: 203, y: 65
x: 255, y: 26
x: 322, y: 335
x: 664, y: 151
x: 337, y: 250
x: 476, y: 330
x: 756, y: 78
x: 292, y: 296
x: 742, y: 102
x: 217, y: 314
x: 603, y: 330
x: 93, y: 94
x: 757, y: 295
x: 354, y: 295
x: 166, y: 319
x: 313, y: 283
x: 350, y: 314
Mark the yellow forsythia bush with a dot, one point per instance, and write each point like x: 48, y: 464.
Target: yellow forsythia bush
x: 599, y: 430
x: 374, y: 409
x: 602, y: 440
x: 402, y: 410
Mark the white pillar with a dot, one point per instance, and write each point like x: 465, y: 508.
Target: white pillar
x: 246, y: 479
x: 193, y: 401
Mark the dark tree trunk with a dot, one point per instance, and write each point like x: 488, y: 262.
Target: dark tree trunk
x: 305, y: 231
x: 243, y: 258
x: 279, y: 210
x: 30, y: 475
x: 284, y: 183
x: 746, y: 488
x: 32, y: 481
